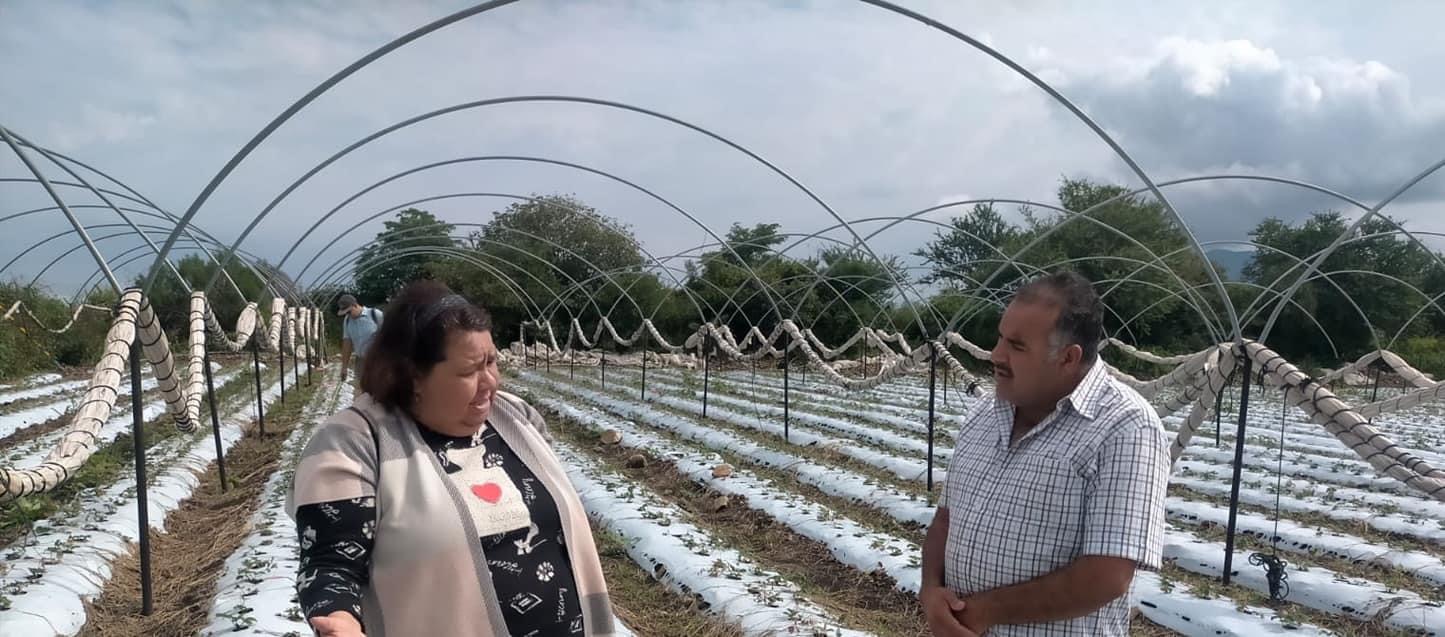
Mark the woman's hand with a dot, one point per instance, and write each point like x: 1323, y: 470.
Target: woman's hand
x: 337, y: 624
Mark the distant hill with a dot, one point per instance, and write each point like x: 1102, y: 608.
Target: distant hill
x: 1233, y: 261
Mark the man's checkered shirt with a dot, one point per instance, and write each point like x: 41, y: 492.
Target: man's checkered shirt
x: 1088, y: 480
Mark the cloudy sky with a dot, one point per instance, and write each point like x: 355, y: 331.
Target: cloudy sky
x: 875, y: 113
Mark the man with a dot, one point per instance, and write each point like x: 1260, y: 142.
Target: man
x: 358, y: 325
x: 1055, y: 491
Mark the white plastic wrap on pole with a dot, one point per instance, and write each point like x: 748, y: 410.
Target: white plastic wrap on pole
x: 1185, y: 374
x: 657, y: 336
x: 953, y: 363
x: 968, y: 346
x: 197, y: 343
x: 273, y: 331
x: 898, y: 338
x: 1348, y: 425
x: 625, y: 342
x: 78, y: 442
x: 546, y: 330
x: 732, y: 349
x: 830, y: 353
x: 245, y: 328
x: 1216, y: 366
x: 157, y: 350
x: 890, y: 370
x: 575, y: 331
x: 74, y: 315
x: 1410, y: 375
x: 1148, y: 356
x: 1403, y: 401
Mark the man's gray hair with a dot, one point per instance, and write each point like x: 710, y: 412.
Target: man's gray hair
x: 1081, y: 312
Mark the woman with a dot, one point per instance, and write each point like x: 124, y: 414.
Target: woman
x: 434, y: 505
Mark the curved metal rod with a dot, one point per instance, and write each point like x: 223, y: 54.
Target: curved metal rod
x: 50, y: 190
x: 1314, y: 264
x: 433, y: 165
x: 1412, y: 236
x: 510, y: 283
x: 155, y: 212
x: 103, y: 199
x: 88, y: 284
x: 347, y: 259
x: 1008, y: 260
x: 549, y: 242
x: 567, y: 99
x: 309, y: 97
x: 246, y: 260
x: 122, y: 260
x: 1012, y: 260
x: 68, y: 184
x: 484, y: 7
x: 134, y: 230
x: 707, y: 254
x: 995, y: 299
x: 1246, y: 317
x: 697, y: 252
x: 549, y: 311
x: 1098, y: 131
x: 335, y: 277
x: 1247, y: 314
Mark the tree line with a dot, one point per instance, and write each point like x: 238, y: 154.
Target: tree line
x: 556, y: 257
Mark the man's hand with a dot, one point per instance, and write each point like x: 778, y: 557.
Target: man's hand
x: 337, y: 624
x: 944, y: 612
x: 976, y: 614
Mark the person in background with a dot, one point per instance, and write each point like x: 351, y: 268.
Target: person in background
x: 434, y: 505
x: 1055, y: 491
x: 358, y: 325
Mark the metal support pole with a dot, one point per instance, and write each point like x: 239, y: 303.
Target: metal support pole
x: 572, y: 364
x: 142, y: 505
x: 306, y: 330
x: 215, y: 423
x: 1218, y: 414
x: 787, y: 364
x: 260, y: 409
x: 522, y: 338
x: 1374, y: 393
x: 644, y: 365
x: 1238, y: 466
x: 603, y: 367
x: 706, y: 372
x: 295, y: 361
x: 281, y: 360
x: 946, y: 372
x: 932, y: 366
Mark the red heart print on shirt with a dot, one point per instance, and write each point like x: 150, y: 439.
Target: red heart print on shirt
x: 490, y: 492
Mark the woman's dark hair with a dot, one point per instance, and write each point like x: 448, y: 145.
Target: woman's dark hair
x: 412, y: 339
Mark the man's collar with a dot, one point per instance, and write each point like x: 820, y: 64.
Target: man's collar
x: 1087, y: 395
